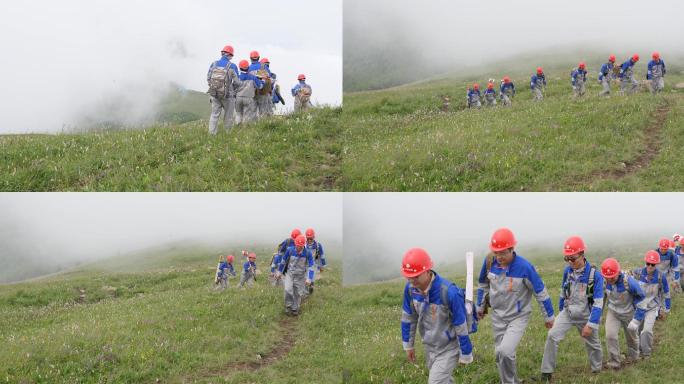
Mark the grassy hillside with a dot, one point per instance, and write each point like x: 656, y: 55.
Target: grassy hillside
x: 159, y: 320
x: 398, y: 139
x: 373, y: 349
x: 293, y: 153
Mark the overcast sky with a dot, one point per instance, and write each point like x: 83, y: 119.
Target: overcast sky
x: 62, y: 57
x: 87, y: 226
x: 466, y: 33
x: 380, y: 228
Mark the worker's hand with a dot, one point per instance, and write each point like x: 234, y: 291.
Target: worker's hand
x: 549, y: 324
x: 480, y: 315
x: 307, y: 282
x: 465, y: 359
x: 662, y: 316
x: 278, y: 274
x: 322, y: 269
x: 411, y: 355
x: 586, y: 331
x: 633, y: 325
x: 675, y: 286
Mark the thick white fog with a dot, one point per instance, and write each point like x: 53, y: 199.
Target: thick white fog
x: 64, y: 60
x: 67, y: 227
x: 379, y: 228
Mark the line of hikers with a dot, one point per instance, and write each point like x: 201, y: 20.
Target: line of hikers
x: 248, y: 91
x: 507, y: 282
x: 578, y: 77
x: 297, y: 263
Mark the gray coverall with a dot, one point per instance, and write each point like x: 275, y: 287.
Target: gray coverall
x: 576, y: 312
x: 299, y: 269
x: 245, y: 104
x: 490, y: 98
x: 510, y: 292
x: 226, y: 104
x: 657, y: 74
x: 623, y: 298
x: 657, y: 298
x: 248, y: 276
x: 627, y: 83
x: 605, y: 78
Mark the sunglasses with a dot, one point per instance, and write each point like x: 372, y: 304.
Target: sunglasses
x: 571, y: 259
x: 650, y: 265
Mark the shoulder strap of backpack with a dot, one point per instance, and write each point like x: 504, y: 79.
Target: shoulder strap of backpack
x: 490, y: 261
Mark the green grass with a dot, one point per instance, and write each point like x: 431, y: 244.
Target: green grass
x: 374, y: 353
x: 163, y: 323
x: 295, y: 153
x: 398, y: 139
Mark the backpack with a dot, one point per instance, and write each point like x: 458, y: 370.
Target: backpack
x: 471, y: 319
x: 304, y: 95
x: 268, y: 82
x: 219, y: 81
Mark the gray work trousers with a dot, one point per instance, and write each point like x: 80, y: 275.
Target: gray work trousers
x: 264, y: 105
x: 537, y: 94
x: 245, y: 110
x: 613, y: 323
x: 657, y: 84
x: 295, y: 289
x: 506, y: 100
x: 605, y: 83
x: 628, y: 85
x: 507, y: 335
x: 246, y: 278
x: 579, y: 89
x: 646, y: 335
x: 441, y: 365
x: 561, y: 326
x: 227, y: 106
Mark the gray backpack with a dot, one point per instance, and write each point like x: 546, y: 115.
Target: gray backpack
x: 219, y: 81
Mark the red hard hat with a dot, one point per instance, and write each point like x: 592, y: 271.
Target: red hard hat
x: 415, y: 262
x: 672, y: 244
x: 301, y: 77
x: 252, y: 255
x: 310, y: 234
x: 656, y: 55
x: 476, y: 86
x: 265, y: 61
x: 502, y: 239
x: 635, y: 58
x: 295, y: 232
x: 230, y: 258
x: 506, y: 79
x: 676, y: 236
x: 490, y: 85
x: 540, y: 70
x: 610, y: 268
x: 254, y: 55
x: 573, y: 245
x: 611, y: 58
x: 244, y: 64
x: 664, y: 243
x: 652, y: 257
x: 300, y: 241
x: 228, y: 49
x: 582, y: 65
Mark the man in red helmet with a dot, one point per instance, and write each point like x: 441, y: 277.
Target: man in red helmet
x: 657, y: 298
x: 317, y: 250
x: 577, y: 78
x: 249, y: 271
x: 580, y: 306
x: 626, y: 309
x: 245, y: 104
x: 473, y: 97
x: 436, y: 307
x: 538, y: 84
x: 222, y: 78
x: 656, y: 73
x: 280, y: 252
x: 506, y: 91
x: 669, y: 263
x: 627, y: 82
x: 297, y: 265
x: 302, y: 94
x: 264, y: 96
x: 507, y: 283
x: 490, y: 95
x: 606, y: 74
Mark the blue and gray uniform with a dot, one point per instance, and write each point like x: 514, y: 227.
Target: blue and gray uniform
x: 473, y: 98
x: 506, y: 92
x: 490, y: 97
x: 577, y: 79
x: 657, y: 298
x: 248, y: 273
x: 439, y: 314
x: 576, y: 310
x: 223, y: 270
x: 263, y: 102
x: 626, y: 309
x: 226, y: 103
x: 669, y: 265
x: 318, y: 254
x: 245, y: 104
x: 537, y: 84
x: 300, y: 268
x: 510, y: 290
x: 656, y: 73
x: 605, y: 76
x: 276, y: 281
x: 679, y: 252
x: 302, y: 94
x: 277, y: 97
x: 627, y: 81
